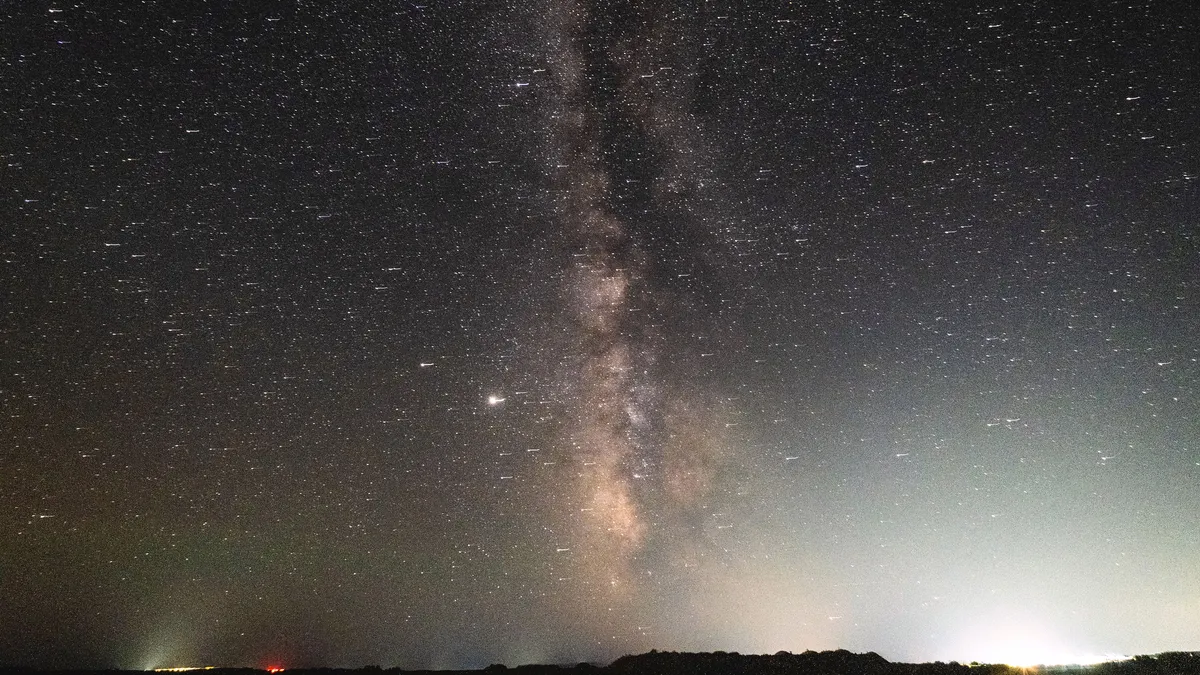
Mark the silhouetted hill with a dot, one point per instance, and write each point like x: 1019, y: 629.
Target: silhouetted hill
x: 725, y: 663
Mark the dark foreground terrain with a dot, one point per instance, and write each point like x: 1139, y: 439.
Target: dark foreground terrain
x: 838, y: 662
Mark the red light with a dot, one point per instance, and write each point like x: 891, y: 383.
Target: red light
x: 274, y: 669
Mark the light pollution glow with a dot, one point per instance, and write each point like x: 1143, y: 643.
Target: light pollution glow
x: 1022, y: 643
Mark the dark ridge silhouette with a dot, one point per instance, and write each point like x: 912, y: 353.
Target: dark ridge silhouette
x: 840, y: 662
x: 732, y: 663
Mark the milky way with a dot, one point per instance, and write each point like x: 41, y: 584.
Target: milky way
x: 610, y: 123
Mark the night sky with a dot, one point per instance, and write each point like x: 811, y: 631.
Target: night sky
x: 444, y: 334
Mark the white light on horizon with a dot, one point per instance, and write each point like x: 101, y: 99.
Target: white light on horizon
x: 1024, y: 644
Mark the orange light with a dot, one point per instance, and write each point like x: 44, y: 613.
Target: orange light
x: 274, y: 669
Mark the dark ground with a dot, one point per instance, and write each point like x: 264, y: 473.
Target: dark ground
x: 838, y: 662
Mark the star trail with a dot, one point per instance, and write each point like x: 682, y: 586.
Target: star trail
x: 448, y: 334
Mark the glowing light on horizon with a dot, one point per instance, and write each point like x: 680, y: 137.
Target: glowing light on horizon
x: 182, y: 669
x: 1033, y: 658
x: 1024, y: 644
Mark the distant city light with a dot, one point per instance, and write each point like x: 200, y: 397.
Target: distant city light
x: 1024, y: 642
